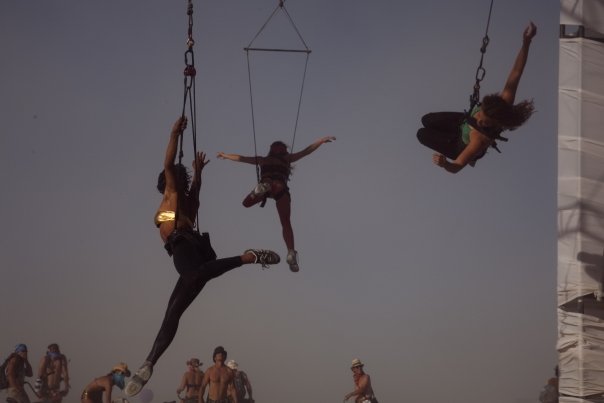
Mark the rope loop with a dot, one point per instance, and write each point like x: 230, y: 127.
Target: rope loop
x: 485, y: 43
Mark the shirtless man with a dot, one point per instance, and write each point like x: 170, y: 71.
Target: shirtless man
x: 363, y: 392
x: 17, y: 368
x: 191, y: 382
x: 220, y: 379
x: 51, y: 372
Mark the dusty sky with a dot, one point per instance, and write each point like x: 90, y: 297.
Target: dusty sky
x: 444, y: 285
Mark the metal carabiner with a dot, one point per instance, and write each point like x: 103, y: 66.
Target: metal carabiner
x: 190, y: 64
x: 480, y: 73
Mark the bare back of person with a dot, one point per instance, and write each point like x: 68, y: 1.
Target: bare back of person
x: 56, y: 372
x: 193, y: 383
x: 93, y: 393
x: 367, y: 390
x: 56, y: 369
x: 280, y: 161
x: 18, y: 367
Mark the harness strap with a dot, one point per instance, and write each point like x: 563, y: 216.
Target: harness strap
x: 490, y: 132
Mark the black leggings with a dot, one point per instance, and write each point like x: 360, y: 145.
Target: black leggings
x: 195, y: 271
x: 442, y: 133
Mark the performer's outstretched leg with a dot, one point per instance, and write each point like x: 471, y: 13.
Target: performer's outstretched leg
x: 284, y: 210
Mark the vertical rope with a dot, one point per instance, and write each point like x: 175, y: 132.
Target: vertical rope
x: 189, y: 97
x: 295, y: 28
x: 263, y: 26
x: 299, y: 103
x: 249, y: 77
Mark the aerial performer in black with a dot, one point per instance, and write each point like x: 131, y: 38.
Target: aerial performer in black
x: 460, y: 139
x: 193, y: 256
x: 275, y: 169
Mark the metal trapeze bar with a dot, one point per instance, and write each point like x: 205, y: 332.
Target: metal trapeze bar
x: 278, y: 50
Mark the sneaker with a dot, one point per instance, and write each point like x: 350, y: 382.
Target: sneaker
x: 264, y: 257
x: 292, y: 260
x: 261, y: 188
x: 139, y: 379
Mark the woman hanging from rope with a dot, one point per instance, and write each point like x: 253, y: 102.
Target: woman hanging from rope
x: 193, y: 256
x: 460, y: 139
x: 275, y: 170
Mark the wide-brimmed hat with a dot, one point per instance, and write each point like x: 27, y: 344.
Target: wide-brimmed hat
x: 121, y: 367
x: 232, y: 364
x: 195, y: 362
x: 356, y: 363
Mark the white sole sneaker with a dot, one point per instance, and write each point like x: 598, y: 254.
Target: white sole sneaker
x: 138, y: 380
x: 261, y: 189
x: 292, y: 260
x: 264, y: 257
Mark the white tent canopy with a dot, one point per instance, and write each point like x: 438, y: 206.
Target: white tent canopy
x: 586, y: 13
x: 581, y: 201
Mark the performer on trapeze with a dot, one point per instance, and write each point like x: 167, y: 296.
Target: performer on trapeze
x: 460, y: 140
x: 275, y: 170
x: 194, y: 259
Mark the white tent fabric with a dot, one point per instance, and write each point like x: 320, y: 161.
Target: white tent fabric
x: 587, y: 13
x: 581, y: 205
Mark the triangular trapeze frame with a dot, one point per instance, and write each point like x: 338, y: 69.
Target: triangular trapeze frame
x: 250, y: 48
x: 280, y: 7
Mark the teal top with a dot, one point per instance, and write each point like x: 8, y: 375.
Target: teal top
x: 466, y: 128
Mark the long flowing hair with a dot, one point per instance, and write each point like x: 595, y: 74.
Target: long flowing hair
x: 277, y: 148
x: 508, y: 117
x: 182, y: 177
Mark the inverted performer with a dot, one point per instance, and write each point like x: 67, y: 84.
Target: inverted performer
x: 460, y: 140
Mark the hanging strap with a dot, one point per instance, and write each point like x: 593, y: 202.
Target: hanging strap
x: 249, y: 48
x: 480, y: 71
x: 190, y: 99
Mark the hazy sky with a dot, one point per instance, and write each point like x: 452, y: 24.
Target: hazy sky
x: 444, y: 285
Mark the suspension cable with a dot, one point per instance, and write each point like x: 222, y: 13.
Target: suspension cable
x: 299, y: 104
x: 481, y: 71
x: 189, y: 97
x: 249, y: 76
